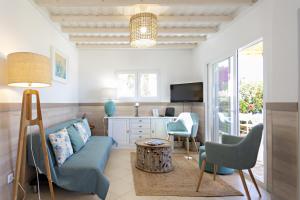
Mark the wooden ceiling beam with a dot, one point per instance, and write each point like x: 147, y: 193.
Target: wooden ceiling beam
x: 91, y: 30
x: 109, y: 3
x: 125, y: 19
x: 126, y: 39
x: 127, y: 46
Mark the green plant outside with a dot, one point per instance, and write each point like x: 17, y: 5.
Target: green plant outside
x: 251, y: 98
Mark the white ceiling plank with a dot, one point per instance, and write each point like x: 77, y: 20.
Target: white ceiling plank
x: 126, y: 39
x: 125, y: 19
x: 91, y: 30
x: 127, y: 46
x: 108, y: 3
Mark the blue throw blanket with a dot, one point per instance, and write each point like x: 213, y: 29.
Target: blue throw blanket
x: 83, y: 171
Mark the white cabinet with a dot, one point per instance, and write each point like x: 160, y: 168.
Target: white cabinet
x: 127, y: 130
x: 158, y: 127
x: 118, y: 129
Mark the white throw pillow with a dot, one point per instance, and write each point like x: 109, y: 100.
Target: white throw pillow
x: 82, y: 131
x: 62, y: 146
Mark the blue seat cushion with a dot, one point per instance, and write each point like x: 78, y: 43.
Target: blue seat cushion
x: 209, y: 166
x: 93, y: 155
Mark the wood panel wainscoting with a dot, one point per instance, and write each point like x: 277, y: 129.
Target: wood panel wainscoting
x: 282, y: 150
x: 95, y: 113
x: 10, y: 114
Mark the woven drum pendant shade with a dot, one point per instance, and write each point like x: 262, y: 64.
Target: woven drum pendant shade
x: 27, y: 69
x: 143, y: 30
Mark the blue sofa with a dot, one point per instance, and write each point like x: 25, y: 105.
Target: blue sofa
x: 83, y: 171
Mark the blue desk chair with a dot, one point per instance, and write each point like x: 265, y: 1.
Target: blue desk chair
x: 186, y: 126
x: 236, y: 153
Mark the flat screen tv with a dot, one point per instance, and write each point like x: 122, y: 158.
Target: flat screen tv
x: 187, y: 92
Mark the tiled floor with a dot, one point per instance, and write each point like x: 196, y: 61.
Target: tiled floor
x: 118, y: 171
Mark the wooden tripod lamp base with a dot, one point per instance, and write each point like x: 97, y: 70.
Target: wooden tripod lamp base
x: 26, y: 69
x: 25, y: 122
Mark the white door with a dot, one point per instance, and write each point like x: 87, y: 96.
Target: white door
x: 120, y: 130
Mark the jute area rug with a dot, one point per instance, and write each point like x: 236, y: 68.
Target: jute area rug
x: 182, y: 181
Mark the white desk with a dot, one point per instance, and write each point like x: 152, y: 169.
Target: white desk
x: 126, y: 130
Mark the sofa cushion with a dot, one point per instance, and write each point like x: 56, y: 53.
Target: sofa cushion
x: 61, y: 144
x: 76, y: 140
x: 93, y: 155
x: 82, y: 131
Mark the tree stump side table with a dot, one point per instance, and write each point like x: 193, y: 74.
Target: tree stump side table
x: 151, y: 158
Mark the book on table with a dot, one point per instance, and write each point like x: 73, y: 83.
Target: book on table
x: 155, y: 142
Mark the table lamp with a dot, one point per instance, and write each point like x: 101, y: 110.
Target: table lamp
x: 27, y: 69
x: 109, y: 106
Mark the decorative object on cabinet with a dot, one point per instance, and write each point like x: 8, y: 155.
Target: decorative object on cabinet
x: 27, y: 69
x: 136, y: 106
x: 109, y: 94
x: 170, y: 112
x: 60, y: 65
x: 155, y: 112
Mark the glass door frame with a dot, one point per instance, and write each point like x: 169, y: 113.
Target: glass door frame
x: 211, y: 135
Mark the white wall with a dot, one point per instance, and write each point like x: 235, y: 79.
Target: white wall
x: 276, y: 22
x: 97, y: 69
x: 23, y: 28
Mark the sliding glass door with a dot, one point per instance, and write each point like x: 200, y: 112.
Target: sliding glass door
x: 222, y: 99
x: 235, y: 97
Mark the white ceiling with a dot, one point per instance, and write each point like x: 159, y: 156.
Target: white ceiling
x: 104, y: 23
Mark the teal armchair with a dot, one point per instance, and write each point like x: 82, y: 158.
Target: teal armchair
x: 234, y: 152
x: 186, y: 126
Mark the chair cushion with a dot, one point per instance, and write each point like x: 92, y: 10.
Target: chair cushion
x: 76, y: 139
x: 61, y: 145
x: 209, y: 166
x: 179, y: 133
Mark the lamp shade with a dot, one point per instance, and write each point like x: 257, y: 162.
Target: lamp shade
x: 109, y: 93
x: 143, y: 30
x: 27, y: 69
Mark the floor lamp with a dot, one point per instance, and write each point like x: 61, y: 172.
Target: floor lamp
x: 29, y: 70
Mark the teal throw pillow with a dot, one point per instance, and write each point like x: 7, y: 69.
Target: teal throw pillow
x: 76, y: 139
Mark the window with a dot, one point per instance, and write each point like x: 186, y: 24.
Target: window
x: 148, y: 85
x: 137, y: 85
x: 126, y: 85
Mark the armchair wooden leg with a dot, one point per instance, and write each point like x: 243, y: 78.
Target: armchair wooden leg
x: 188, y: 147
x: 254, y: 182
x: 215, y: 171
x: 195, y: 144
x: 244, y: 184
x: 201, y: 174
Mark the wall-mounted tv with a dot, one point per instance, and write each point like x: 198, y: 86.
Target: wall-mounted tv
x: 187, y: 92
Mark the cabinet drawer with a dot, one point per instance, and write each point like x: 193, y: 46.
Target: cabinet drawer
x: 140, y: 121
x: 140, y: 125
x: 134, y: 138
x: 139, y: 131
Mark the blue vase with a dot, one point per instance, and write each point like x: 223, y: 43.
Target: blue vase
x: 109, y: 108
